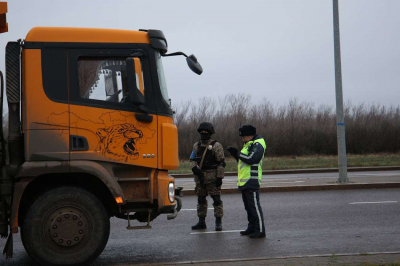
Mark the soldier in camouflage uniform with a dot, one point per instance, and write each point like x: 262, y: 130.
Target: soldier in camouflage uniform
x: 208, y: 164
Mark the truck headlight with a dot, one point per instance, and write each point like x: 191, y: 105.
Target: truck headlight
x: 171, y: 192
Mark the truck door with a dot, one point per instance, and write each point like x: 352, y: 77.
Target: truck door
x: 104, y: 124
x: 45, y: 103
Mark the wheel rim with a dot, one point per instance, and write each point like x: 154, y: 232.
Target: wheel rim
x: 67, y: 226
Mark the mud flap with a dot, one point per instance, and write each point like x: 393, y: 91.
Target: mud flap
x: 9, y: 247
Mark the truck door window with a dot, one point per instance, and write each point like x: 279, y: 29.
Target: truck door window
x: 161, y: 78
x: 104, y: 79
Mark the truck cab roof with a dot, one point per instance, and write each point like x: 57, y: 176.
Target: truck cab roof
x: 85, y: 35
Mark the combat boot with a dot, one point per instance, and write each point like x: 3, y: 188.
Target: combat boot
x: 218, y: 224
x: 257, y: 235
x: 246, y: 232
x: 200, y: 225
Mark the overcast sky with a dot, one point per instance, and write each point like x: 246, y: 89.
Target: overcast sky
x: 277, y: 49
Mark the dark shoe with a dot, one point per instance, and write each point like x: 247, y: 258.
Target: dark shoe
x: 257, y: 235
x: 218, y: 224
x: 200, y: 225
x: 246, y: 232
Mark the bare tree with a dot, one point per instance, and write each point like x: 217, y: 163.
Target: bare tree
x: 295, y: 128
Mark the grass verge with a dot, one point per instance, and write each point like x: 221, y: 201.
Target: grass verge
x: 306, y: 162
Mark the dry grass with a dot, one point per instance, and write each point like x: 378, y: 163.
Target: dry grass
x: 305, y: 162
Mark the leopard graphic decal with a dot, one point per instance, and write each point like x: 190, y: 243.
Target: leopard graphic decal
x: 118, y: 142
x: 120, y: 137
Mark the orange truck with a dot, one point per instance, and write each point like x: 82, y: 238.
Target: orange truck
x: 90, y: 137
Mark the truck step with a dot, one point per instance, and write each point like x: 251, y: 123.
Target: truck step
x: 148, y: 226
x: 138, y: 227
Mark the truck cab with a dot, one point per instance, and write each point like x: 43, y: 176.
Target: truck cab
x: 91, y: 136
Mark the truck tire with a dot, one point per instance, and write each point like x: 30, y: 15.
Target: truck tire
x: 65, y: 226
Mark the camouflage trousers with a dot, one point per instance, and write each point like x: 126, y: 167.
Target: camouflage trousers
x: 209, y: 188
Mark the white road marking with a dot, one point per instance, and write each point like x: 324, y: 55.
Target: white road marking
x: 375, y: 174
x: 215, y: 232
x: 195, y: 209
x: 277, y: 179
x: 374, y: 202
x: 285, y: 181
x: 286, y: 176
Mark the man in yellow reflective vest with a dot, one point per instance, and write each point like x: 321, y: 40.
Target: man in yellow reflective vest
x: 250, y: 160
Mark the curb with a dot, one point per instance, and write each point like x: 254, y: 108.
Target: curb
x: 309, y: 188
x: 247, y: 261
x: 308, y: 171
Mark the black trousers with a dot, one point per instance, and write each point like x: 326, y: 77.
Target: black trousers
x: 251, y: 200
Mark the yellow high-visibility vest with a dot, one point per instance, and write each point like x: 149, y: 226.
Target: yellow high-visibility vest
x: 247, y: 172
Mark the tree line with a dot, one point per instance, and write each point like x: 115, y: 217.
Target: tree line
x: 292, y: 129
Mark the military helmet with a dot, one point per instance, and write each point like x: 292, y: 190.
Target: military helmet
x: 207, y: 127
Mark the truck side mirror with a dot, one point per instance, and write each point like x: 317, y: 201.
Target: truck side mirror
x: 191, y: 60
x: 135, y: 96
x: 194, y: 65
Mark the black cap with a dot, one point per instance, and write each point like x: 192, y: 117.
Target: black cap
x: 247, y: 130
x: 207, y: 127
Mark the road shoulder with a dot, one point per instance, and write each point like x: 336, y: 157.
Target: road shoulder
x: 368, y: 259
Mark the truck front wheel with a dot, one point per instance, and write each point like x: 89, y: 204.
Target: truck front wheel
x: 65, y: 226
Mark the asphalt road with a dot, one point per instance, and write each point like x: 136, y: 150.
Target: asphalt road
x: 296, y: 177
x: 297, y: 223
x: 335, y: 175
x: 310, y: 179
x: 331, y: 175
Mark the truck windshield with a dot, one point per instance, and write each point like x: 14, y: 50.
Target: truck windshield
x: 161, y: 78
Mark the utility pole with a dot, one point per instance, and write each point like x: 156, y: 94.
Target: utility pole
x: 341, y: 138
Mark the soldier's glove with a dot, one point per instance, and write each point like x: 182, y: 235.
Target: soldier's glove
x: 234, y: 152
x: 218, y: 182
x: 197, y: 172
